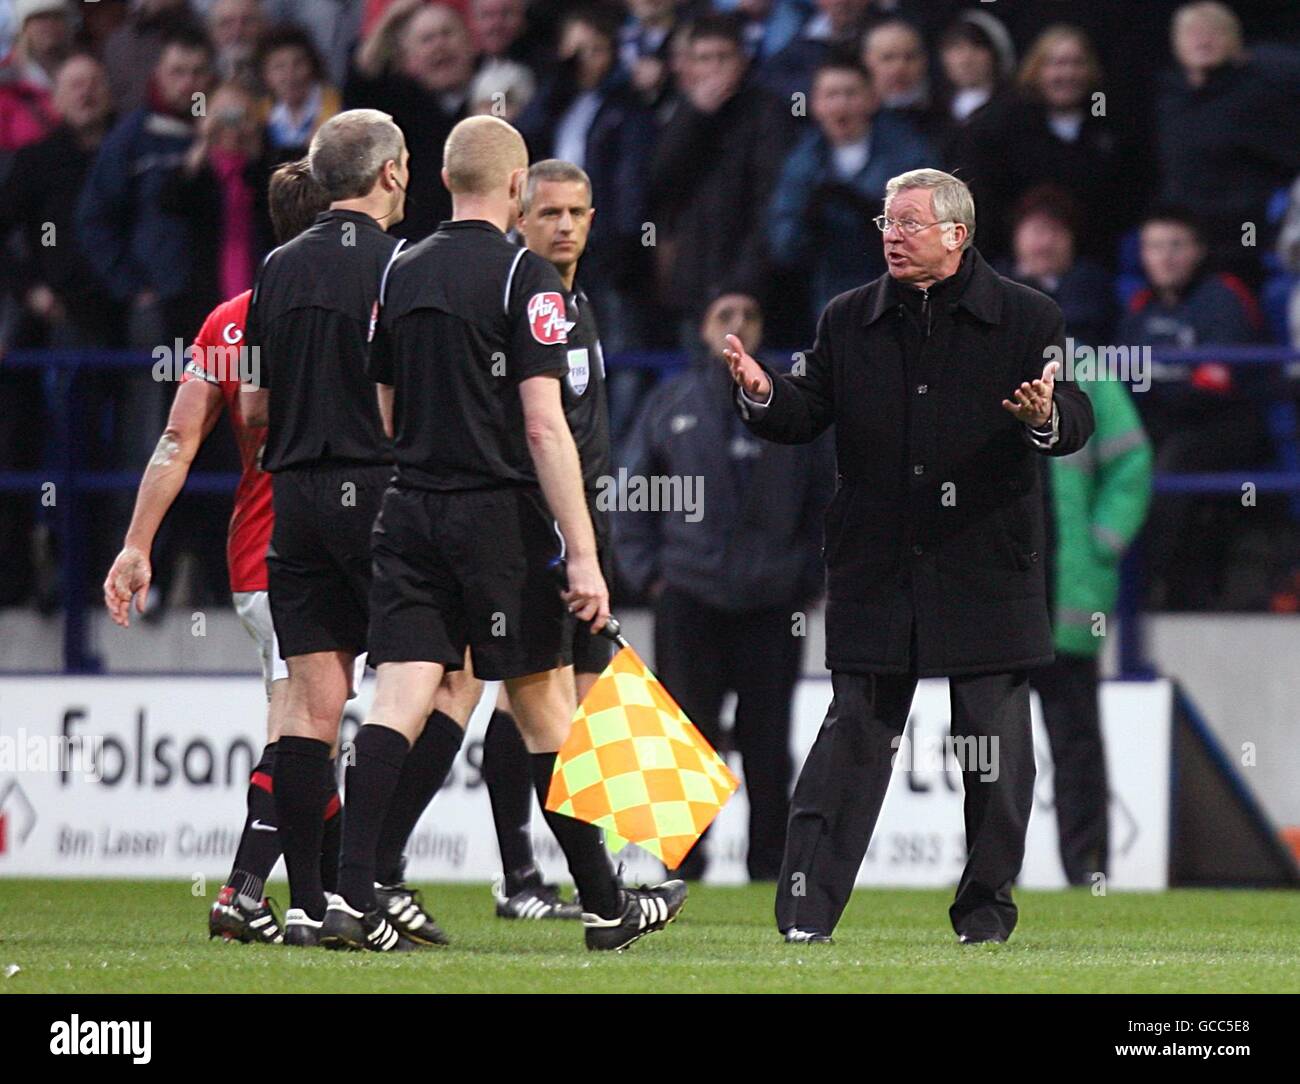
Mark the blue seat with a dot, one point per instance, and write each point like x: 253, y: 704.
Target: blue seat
x: 1275, y: 299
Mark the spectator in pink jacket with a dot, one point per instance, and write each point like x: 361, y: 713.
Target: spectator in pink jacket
x: 27, y: 111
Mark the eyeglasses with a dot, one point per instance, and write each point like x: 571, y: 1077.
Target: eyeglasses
x: 908, y: 225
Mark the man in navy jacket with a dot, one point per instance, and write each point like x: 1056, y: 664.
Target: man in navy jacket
x: 734, y: 572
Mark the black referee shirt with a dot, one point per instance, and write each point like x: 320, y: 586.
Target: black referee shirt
x: 465, y: 317
x: 583, y: 392
x: 310, y: 318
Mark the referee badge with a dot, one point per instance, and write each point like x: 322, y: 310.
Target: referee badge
x: 579, y: 370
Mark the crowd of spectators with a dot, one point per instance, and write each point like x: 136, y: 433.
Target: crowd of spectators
x: 1132, y: 160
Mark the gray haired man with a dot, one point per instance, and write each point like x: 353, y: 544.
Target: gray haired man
x: 934, y: 378
x: 313, y: 304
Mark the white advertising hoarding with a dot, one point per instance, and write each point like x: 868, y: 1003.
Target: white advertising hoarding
x: 159, y: 790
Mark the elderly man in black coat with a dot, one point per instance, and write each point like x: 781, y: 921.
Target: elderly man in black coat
x: 934, y: 541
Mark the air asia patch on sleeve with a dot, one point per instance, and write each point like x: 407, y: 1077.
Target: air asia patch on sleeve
x: 547, y: 318
x: 374, y: 321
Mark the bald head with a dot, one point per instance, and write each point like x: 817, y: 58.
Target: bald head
x: 481, y: 156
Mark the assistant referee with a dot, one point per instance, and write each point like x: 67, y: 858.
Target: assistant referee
x: 555, y: 223
x: 308, y: 323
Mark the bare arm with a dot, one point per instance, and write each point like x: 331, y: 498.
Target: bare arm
x: 194, y: 412
x: 555, y: 458
x: 384, y: 393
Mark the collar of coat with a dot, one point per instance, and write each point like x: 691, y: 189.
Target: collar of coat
x: 981, y: 297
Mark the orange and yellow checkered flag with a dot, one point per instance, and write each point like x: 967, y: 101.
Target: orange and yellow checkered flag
x: 634, y: 765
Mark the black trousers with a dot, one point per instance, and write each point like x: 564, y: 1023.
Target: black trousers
x: 700, y: 655
x: 22, y: 425
x: 1068, y: 690
x: 842, y: 785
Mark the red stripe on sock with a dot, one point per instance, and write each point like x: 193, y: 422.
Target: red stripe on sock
x: 334, y: 806
x: 261, y: 779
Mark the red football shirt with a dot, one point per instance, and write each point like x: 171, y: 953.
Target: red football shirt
x: 214, y: 357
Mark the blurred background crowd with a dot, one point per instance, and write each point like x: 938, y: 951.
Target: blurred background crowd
x: 1137, y: 161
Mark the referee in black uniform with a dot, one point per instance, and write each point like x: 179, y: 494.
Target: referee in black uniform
x: 469, y: 352
x: 555, y: 222
x: 308, y: 322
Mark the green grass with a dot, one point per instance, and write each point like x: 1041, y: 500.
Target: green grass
x: 93, y: 937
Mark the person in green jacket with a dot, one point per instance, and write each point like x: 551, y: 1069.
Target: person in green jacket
x: 1097, y: 500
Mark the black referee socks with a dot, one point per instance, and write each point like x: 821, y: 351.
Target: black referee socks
x: 506, y: 772
x: 332, y: 834
x: 583, y: 846
x: 303, y: 782
x: 259, y: 846
x: 423, y: 773
x: 372, y: 780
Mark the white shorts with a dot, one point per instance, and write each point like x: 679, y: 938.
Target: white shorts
x: 254, y: 610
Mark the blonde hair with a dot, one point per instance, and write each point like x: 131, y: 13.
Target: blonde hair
x: 950, y: 195
x: 480, y: 154
x: 1031, y: 70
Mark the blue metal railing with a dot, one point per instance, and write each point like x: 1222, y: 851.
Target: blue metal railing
x: 70, y: 480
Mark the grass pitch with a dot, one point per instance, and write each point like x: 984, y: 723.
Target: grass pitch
x: 151, y: 937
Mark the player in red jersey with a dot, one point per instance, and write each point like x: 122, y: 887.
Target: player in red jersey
x: 210, y: 384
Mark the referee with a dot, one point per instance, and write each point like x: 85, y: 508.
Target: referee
x: 329, y: 459
x: 555, y: 222
x: 469, y: 353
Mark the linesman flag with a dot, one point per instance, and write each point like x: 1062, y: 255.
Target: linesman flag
x: 635, y: 765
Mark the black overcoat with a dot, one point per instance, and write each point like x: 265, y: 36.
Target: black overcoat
x: 934, y: 541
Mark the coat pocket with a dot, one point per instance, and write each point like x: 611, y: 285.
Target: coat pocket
x: 1016, y: 537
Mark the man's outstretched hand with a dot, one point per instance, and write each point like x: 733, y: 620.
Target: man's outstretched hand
x: 1033, y: 402
x: 745, y: 371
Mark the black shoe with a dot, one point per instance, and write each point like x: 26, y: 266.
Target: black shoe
x: 230, y: 920
x: 300, y: 929
x: 535, y: 901
x: 645, y: 910
x: 405, y: 910
x: 346, y: 928
x: 796, y: 936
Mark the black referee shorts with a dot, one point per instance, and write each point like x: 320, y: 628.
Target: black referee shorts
x: 468, y: 569
x: 318, y: 564
x: 591, y: 654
